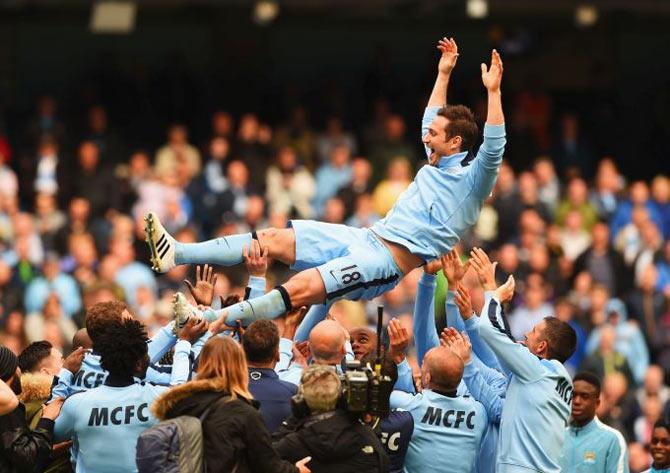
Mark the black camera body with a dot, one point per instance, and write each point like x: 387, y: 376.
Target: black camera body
x: 366, y: 390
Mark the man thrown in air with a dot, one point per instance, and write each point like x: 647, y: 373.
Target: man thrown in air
x: 341, y: 262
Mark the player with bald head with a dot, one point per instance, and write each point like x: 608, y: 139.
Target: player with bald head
x: 444, y: 422
x: 327, y: 341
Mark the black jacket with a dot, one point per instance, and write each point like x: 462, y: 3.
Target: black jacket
x: 234, y: 432
x: 23, y: 449
x: 335, y: 441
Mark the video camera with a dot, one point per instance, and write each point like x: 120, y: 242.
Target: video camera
x: 364, y: 388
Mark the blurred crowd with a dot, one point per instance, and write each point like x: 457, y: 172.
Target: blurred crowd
x: 582, y: 241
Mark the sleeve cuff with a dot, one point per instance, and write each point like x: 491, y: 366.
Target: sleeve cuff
x: 451, y: 297
x: 494, y: 131
x: 46, y: 424
x: 428, y: 279
x: 472, y: 322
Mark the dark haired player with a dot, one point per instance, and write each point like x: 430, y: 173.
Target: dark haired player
x: 106, y: 421
x: 340, y: 262
x: 660, y: 447
x: 539, y: 394
x: 590, y: 444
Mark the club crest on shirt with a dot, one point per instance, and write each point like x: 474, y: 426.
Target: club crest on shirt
x: 589, y: 457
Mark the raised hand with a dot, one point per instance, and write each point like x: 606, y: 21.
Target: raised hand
x: 486, y: 271
x: 464, y: 302
x: 492, y: 76
x: 449, y: 50
x: 193, y: 329
x: 292, y: 321
x: 256, y: 260
x: 453, y: 268
x: 304, y: 349
x: 73, y: 361
x: 205, y: 280
x: 433, y: 267
x: 398, y: 340
x: 505, y: 292
x: 459, y: 343
x: 299, y: 357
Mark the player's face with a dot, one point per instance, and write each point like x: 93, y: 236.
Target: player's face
x: 436, y: 139
x: 533, y: 338
x: 585, y: 400
x: 362, y: 342
x: 660, y: 447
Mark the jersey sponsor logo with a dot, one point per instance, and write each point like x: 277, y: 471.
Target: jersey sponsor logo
x: 564, y: 390
x: 451, y: 418
x: 89, y: 380
x: 391, y: 440
x: 103, y: 416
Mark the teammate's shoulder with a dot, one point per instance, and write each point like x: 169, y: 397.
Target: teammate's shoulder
x: 555, y: 367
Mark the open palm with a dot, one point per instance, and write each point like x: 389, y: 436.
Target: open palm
x: 449, y: 50
x: 492, y: 76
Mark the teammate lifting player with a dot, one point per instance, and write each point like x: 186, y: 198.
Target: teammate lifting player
x: 341, y: 262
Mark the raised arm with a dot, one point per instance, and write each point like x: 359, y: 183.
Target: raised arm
x: 256, y: 261
x: 449, y: 50
x: 423, y: 322
x: 512, y: 356
x: 484, y: 171
x: 492, y: 77
x: 438, y: 97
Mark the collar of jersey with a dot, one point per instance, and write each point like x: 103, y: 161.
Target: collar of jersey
x: 119, y: 381
x: 451, y: 161
x: 582, y: 430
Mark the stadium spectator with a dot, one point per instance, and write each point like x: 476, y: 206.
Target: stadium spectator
x: 393, y: 144
x: 638, y: 194
x: 332, y: 176
x: 576, y: 199
x: 105, y: 138
x: 660, y: 192
x: 534, y: 308
x: 290, y: 187
x: 608, y: 184
x: 398, y: 178
x: 603, y: 263
x: 549, y: 186
x: 177, y: 153
x: 334, y: 136
x: 607, y: 360
x: 235, y: 437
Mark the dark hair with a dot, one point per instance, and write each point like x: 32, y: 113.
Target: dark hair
x: 122, y: 344
x: 101, y: 315
x: 461, y: 123
x: 663, y: 423
x: 561, y: 339
x: 590, y: 378
x: 260, y: 341
x: 389, y: 368
x: 32, y: 356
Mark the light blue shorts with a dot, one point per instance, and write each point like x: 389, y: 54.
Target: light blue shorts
x: 353, y: 262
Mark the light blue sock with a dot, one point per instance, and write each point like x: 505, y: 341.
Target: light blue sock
x: 269, y: 306
x: 224, y: 251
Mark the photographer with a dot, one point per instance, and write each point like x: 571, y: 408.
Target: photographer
x: 334, y: 438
